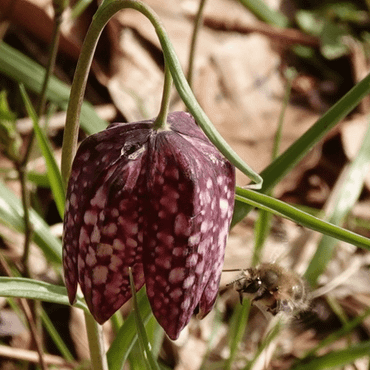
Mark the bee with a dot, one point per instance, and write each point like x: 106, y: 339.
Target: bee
x: 273, y: 289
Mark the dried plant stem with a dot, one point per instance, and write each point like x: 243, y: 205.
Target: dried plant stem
x: 29, y: 317
x: 263, y: 224
x: 22, y: 174
x: 197, y: 23
x: 31, y: 312
x: 32, y: 356
x: 22, y: 166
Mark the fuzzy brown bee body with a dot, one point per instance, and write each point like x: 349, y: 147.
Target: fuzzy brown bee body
x: 274, y: 288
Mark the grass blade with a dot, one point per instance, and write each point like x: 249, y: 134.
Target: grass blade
x: 24, y: 70
x: 285, y: 162
x: 336, y: 358
x: 127, y: 335
x: 148, y: 357
x: 344, y: 200
x: 11, y: 215
x: 236, y: 332
x: 58, y: 341
x: 262, y: 11
x: 275, y: 206
x: 55, y: 178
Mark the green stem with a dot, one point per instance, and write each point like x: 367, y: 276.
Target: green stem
x: 161, y: 120
x: 102, y: 16
x: 96, y: 344
x: 197, y: 23
x: 79, y: 8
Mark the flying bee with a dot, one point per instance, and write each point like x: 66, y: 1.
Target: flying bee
x: 273, y: 288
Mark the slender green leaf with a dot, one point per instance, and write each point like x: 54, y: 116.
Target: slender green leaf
x: 275, y: 330
x: 148, y: 357
x: 336, y: 358
x: 345, y: 330
x: 286, y: 161
x: 53, y: 171
x: 40, y: 179
x: 275, y: 206
x: 127, y: 335
x: 39, y: 290
x: 262, y: 11
x: 237, y: 328
x: 11, y: 214
x: 155, y: 336
x: 57, y: 339
x: 24, y: 70
x: 344, y: 200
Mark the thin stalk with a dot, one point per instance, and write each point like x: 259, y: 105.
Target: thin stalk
x: 22, y: 166
x: 53, y: 332
x: 28, y: 228
x: 48, y: 72
x: 22, y: 171
x: 79, y: 8
x: 29, y: 317
x: 96, y: 344
x: 238, y: 326
x: 161, y: 120
x: 263, y: 223
x: 290, y: 74
x: 145, y: 345
x: 197, y: 23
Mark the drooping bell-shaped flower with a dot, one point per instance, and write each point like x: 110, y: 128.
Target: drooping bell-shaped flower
x: 158, y: 201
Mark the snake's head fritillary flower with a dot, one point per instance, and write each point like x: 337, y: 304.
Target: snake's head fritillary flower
x: 158, y: 201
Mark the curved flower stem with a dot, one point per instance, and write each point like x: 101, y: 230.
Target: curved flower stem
x: 102, y: 16
x: 161, y: 120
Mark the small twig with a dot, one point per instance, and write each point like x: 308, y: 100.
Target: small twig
x: 283, y: 35
x: 22, y: 165
x: 58, y: 120
x: 32, y: 356
x: 28, y: 314
x: 197, y: 23
x: 28, y: 229
x: 48, y: 72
